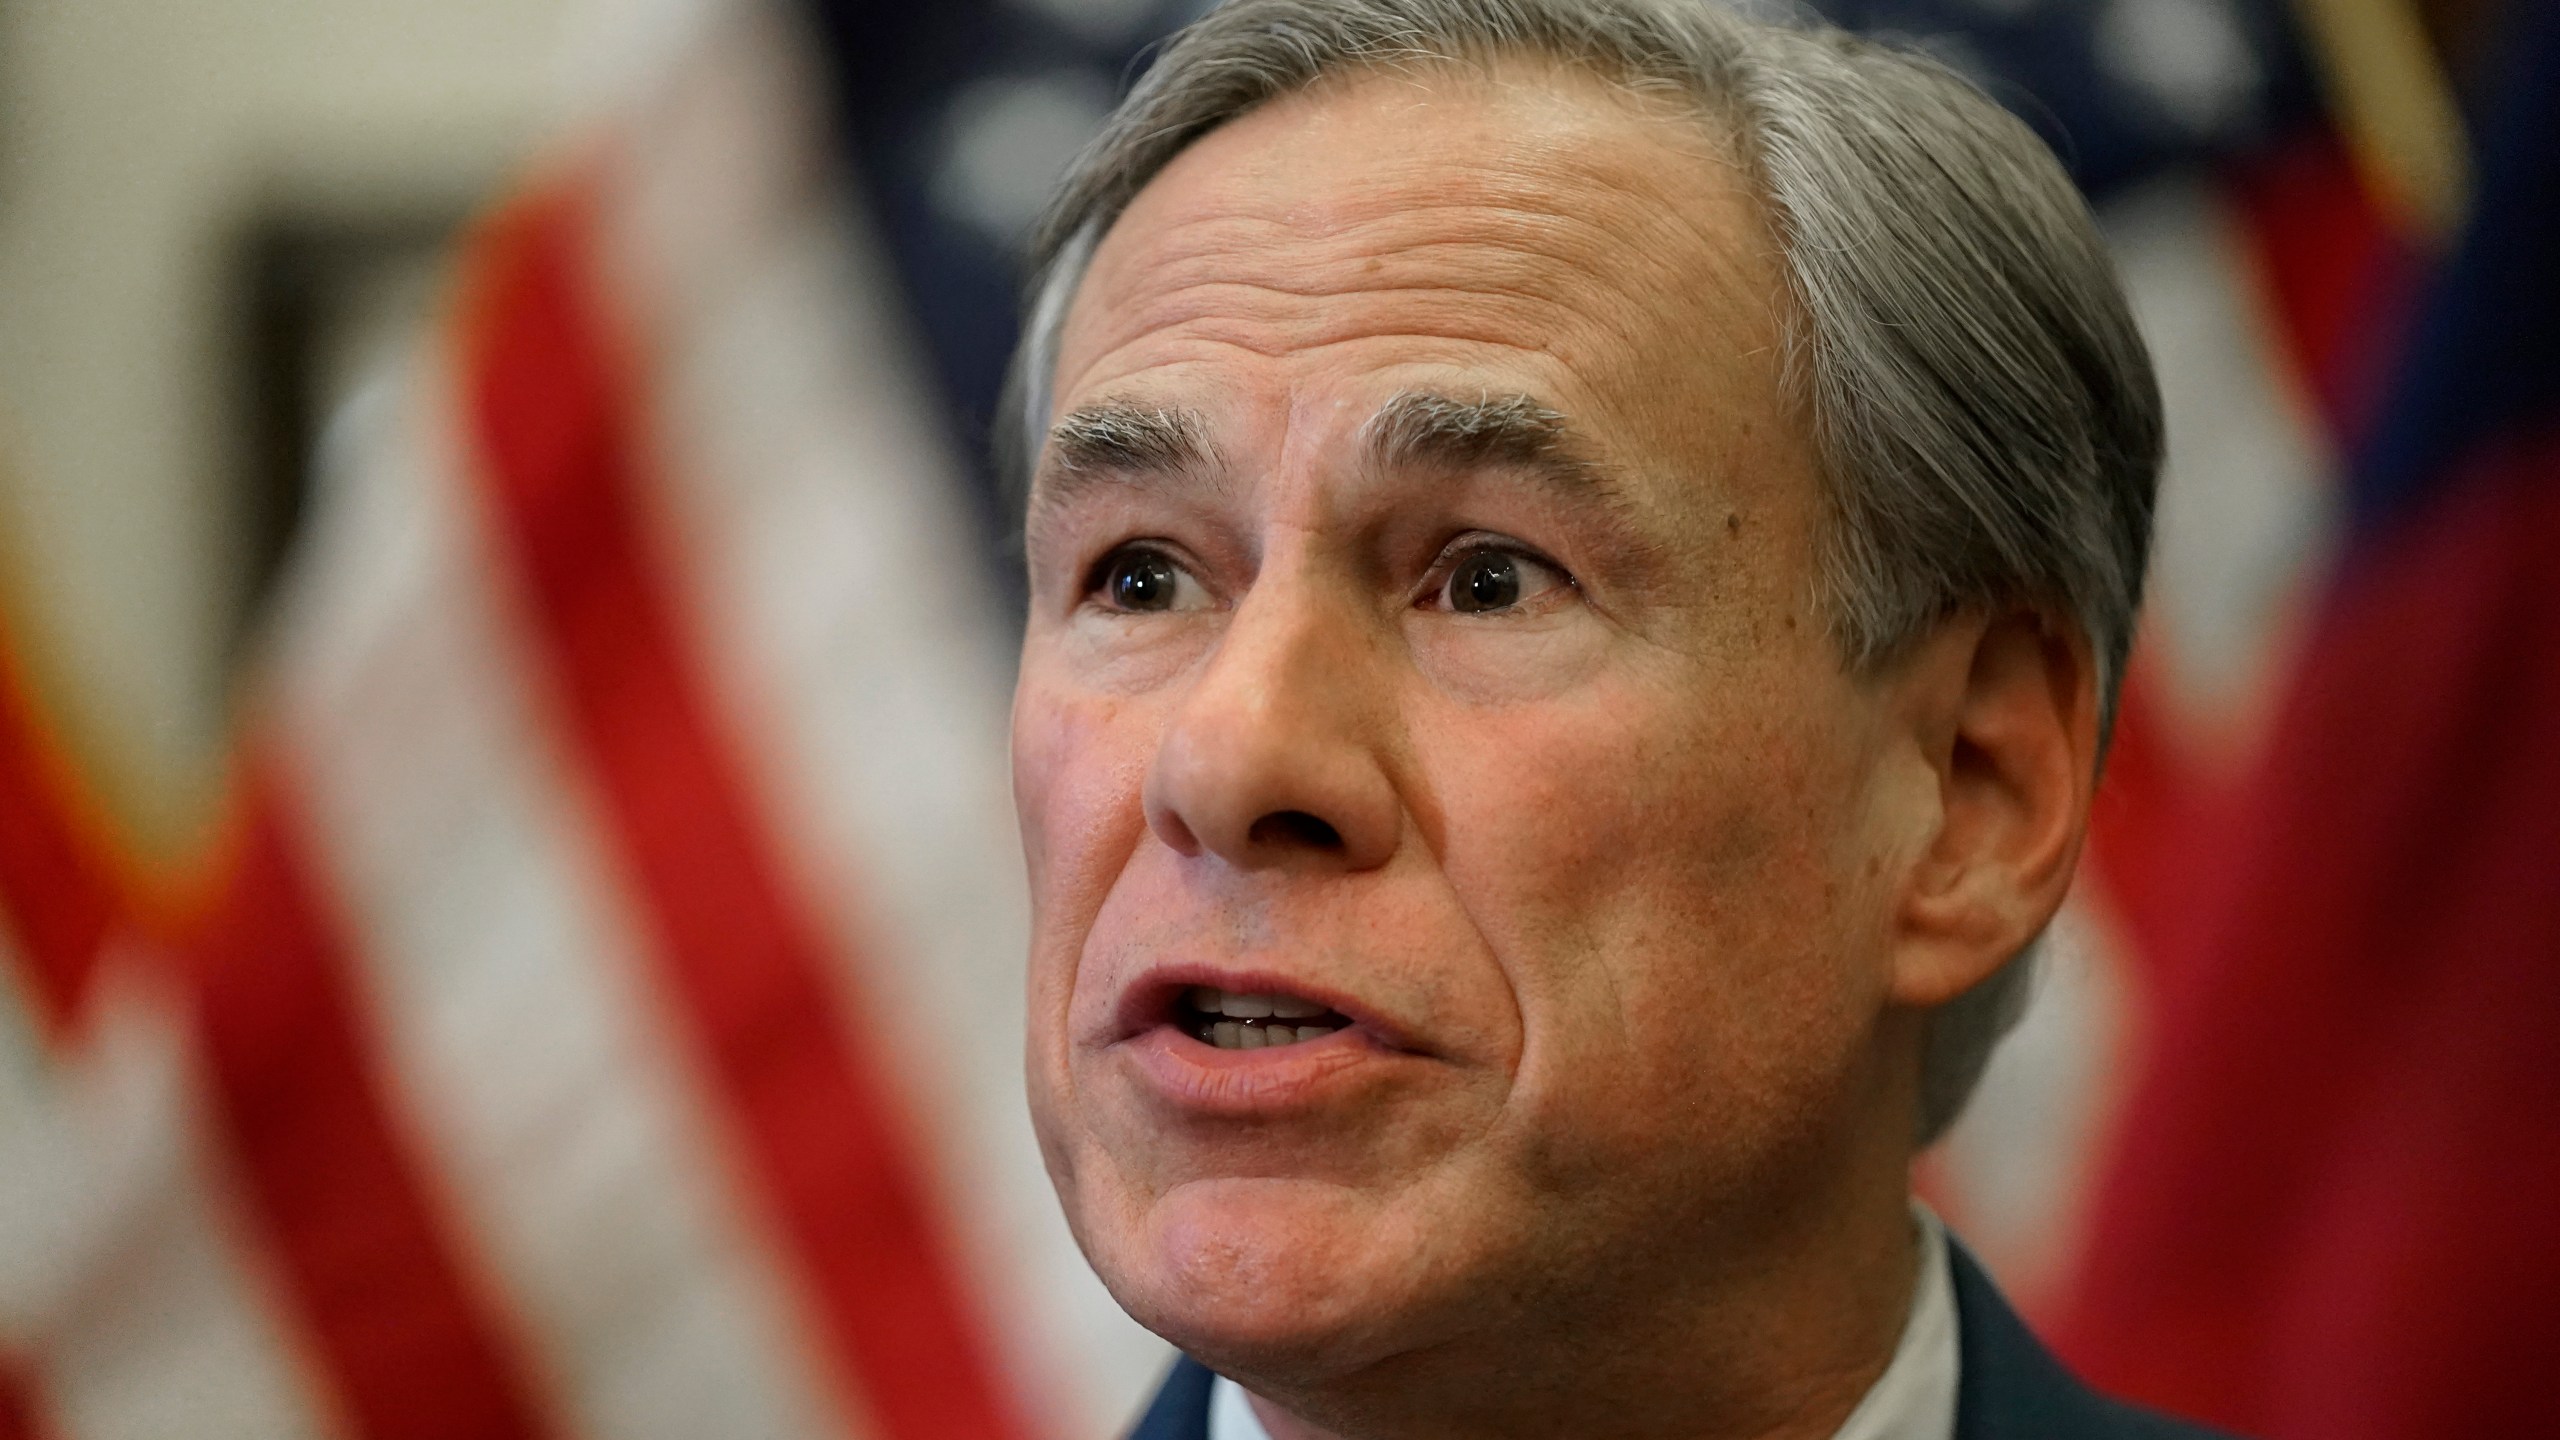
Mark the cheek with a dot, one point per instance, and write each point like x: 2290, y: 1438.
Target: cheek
x: 1497, y: 664
x: 1620, y: 805
x: 1659, y: 881
x: 1079, y: 768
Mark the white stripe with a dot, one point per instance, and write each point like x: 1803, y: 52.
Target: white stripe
x: 122, y: 1282
x: 25, y: 1064
x: 2018, y: 1167
x: 852, y: 636
x: 505, y: 973
x: 2247, y: 511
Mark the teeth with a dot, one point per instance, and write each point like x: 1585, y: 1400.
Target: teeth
x: 1209, y: 1000
x: 1250, y: 1022
x: 1236, y: 1035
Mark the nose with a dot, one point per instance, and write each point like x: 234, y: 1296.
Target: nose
x: 1273, y: 758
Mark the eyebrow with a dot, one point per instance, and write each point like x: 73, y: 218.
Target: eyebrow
x: 1427, y: 430
x: 1129, y: 438
x: 1123, y: 442
x: 1116, y: 443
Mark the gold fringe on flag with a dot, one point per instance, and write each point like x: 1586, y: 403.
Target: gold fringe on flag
x: 2391, y: 97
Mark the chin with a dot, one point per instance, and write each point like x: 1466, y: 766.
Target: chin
x: 1289, y: 1283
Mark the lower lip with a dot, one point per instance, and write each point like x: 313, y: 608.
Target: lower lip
x: 1205, y: 1079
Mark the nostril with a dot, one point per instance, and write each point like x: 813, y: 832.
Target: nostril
x: 1170, y: 828
x: 1296, y: 829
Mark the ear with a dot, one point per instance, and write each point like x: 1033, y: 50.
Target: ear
x: 2003, y: 708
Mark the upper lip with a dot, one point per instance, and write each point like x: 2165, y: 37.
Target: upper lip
x: 1148, y: 999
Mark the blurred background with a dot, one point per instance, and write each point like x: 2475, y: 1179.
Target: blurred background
x: 509, y: 916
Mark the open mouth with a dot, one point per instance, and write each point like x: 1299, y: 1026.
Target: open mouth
x: 1235, y: 1020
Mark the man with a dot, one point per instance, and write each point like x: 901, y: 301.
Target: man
x: 1579, y: 554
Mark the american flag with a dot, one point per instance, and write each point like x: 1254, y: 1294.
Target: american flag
x: 602, y: 1015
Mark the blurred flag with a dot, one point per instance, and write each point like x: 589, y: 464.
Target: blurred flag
x: 2335, y: 1205
x: 115, y: 1261
x: 604, y: 1016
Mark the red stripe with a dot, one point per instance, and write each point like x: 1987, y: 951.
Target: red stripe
x: 57, y: 893
x: 2337, y: 280
x: 2153, y: 839
x: 733, y: 947
x: 411, y: 1346
x: 17, y: 1402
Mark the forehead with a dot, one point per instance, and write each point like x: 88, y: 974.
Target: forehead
x: 1511, y: 227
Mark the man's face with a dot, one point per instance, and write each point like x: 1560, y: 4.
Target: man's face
x: 1422, y: 634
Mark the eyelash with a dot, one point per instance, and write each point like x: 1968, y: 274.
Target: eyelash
x: 1097, y: 577
x: 1435, y: 585
x: 1457, y: 552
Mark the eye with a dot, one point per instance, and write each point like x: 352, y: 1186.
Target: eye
x: 1488, y: 578
x: 1142, y: 580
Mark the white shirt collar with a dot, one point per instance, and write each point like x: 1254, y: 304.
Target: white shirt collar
x: 1914, y: 1399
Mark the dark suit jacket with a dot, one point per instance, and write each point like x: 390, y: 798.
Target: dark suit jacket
x: 2011, y: 1387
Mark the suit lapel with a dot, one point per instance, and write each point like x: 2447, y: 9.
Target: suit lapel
x: 1181, y: 1407
x: 2010, y: 1386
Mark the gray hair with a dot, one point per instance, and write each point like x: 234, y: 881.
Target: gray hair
x: 1987, y: 420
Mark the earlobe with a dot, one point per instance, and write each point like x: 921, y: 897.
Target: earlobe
x: 2004, y: 705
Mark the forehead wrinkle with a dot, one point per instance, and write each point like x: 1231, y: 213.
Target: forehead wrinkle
x: 1468, y: 292
x: 1508, y: 210
x: 1495, y: 321
x: 1458, y: 250
x: 1521, y: 277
